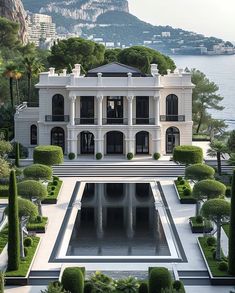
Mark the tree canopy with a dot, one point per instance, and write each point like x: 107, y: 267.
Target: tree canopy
x: 208, y: 189
x: 8, y: 33
x: 199, y: 172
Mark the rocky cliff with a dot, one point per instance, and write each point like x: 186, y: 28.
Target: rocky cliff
x: 14, y: 10
x: 83, y: 10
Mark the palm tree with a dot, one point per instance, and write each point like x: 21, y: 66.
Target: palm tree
x: 17, y: 77
x: 33, y: 67
x: 9, y: 72
x: 217, y: 149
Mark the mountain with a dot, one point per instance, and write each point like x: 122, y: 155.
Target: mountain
x: 14, y: 10
x: 109, y: 22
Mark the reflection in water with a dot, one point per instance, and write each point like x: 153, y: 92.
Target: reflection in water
x: 118, y: 220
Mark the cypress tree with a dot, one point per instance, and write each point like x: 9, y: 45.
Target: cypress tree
x: 13, y: 226
x: 1, y: 282
x: 17, y: 154
x: 231, y: 258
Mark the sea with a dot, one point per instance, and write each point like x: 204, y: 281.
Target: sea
x: 221, y: 70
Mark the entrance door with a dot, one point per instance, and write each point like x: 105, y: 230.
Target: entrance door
x: 172, y: 139
x: 57, y: 137
x: 142, y: 110
x: 114, y: 142
x: 87, y: 143
x: 142, y: 142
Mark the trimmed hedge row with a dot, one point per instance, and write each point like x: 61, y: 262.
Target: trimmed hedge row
x: 48, y: 155
x: 187, y: 154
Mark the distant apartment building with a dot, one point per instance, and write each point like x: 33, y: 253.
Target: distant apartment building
x: 42, y: 31
x: 166, y: 34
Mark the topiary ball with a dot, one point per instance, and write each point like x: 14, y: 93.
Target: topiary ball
x: 178, y: 286
x: 223, y: 266
x: 55, y: 182
x: 28, y: 242
x: 98, y: 156
x: 71, y: 156
x: 156, y: 156
x: 199, y: 219
x: 130, y: 156
x: 187, y: 192
x: 211, y: 241
x: 182, y: 182
x: 180, y: 178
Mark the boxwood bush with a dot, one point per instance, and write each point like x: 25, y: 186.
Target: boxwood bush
x: 159, y: 279
x: 130, y: 156
x: 199, y: 172
x: 156, y: 156
x: 38, y: 171
x: 98, y: 156
x: 48, y: 155
x: 187, y: 154
x: 71, y: 156
x: 208, y: 189
x: 73, y: 280
x: 143, y: 288
x: 32, y: 189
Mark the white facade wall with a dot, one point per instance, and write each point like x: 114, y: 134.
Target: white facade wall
x: 74, y: 85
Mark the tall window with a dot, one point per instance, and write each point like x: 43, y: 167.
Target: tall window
x: 172, y: 108
x: 58, y: 108
x: 142, y: 110
x: 172, y: 139
x: 142, y: 142
x: 57, y: 137
x: 33, y: 135
x: 115, y: 110
x: 87, y: 142
x: 87, y: 110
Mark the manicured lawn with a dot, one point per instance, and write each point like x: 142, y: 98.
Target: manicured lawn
x: 4, y: 191
x: 226, y: 229
x: 180, y: 188
x: 3, y: 238
x: 37, y: 226
x: 25, y: 263
x: 212, y: 263
x: 52, y: 194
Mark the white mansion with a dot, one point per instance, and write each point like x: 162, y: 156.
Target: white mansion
x: 114, y: 109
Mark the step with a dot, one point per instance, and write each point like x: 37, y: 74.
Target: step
x: 193, y: 274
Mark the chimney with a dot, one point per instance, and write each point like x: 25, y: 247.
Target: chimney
x: 154, y: 69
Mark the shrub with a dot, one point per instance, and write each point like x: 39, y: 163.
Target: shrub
x: 228, y: 191
x: 28, y: 241
x: 88, y: 288
x: 56, y: 178
x: 187, y: 192
x: 26, y: 251
x: 52, y: 193
x: 73, y: 280
x: 39, y: 219
x: 179, y: 178
x: 232, y: 230
x: 211, y: 241
x: 13, y: 226
x: 159, y: 279
x: 1, y: 282
x: 48, y: 155
x: 130, y: 156
x: 55, y: 182
x: 32, y: 189
x: 143, y: 288
x: 187, y: 154
x: 127, y: 285
x: 53, y: 188
x: 5, y: 147
x: 71, y: 156
x: 223, y: 266
x: 99, y: 156
x: 178, y: 286
x: 199, y: 172
x: 208, y: 189
x: 102, y: 283
x: 38, y: 172
x: 4, y: 168
x: 182, y: 182
x: 156, y: 156
x: 199, y: 219
x: 54, y: 287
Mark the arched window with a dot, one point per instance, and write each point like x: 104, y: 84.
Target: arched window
x: 142, y: 142
x: 58, y: 108
x: 114, y: 142
x: 172, y: 139
x: 33, y: 135
x: 171, y: 108
x: 57, y: 137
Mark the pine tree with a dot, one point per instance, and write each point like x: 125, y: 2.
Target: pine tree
x: 13, y: 226
x: 231, y: 259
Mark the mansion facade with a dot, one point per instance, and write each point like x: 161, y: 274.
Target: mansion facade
x: 113, y: 109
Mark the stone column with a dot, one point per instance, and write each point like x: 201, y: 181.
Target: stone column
x: 99, y: 109
x: 72, y: 110
x: 130, y: 114
x: 157, y: 110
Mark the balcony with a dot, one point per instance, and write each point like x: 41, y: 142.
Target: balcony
x: 85, y: 121
x: 169, y: 118
x: 144, y: 121
x: 122, y: 121
x: 57, y: 118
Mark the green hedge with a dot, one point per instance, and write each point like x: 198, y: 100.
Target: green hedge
x: 52, y: 194
x: 38, y: 172
x: 36, y: 226
x: 73, y: 280
x: 187, y: 154
x: 199, y: 172
x: 159, y: 279
x: 48, y: 155
x: 184, y: 199
x: 32, y: 189
x: 4, y: 190
x: 208, y: 189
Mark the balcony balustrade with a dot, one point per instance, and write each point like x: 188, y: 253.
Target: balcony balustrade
x: 86, y: 121
x: 178, y: 118
x: 144, y: 121
x: 57, y: 118
x: 122, y: 121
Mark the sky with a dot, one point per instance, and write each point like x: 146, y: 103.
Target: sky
x: 209, y: 17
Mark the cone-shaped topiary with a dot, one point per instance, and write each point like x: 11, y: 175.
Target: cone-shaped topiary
x: 73, y: 280
x: 231, y: 258
x: 17, y: 155
x: 13, y: 226
x: 159, y: 280
x: 1, y: 282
